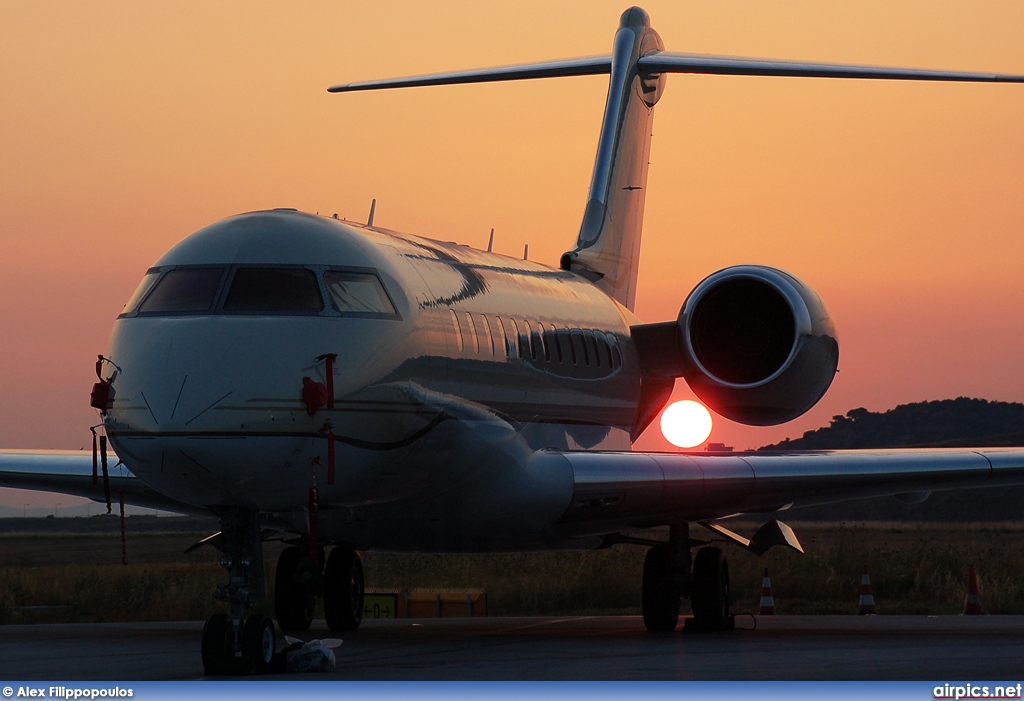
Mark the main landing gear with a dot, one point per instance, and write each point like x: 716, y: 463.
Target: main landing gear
x: 297, y: 584
x: 239, y: 644
x: 667, y: 577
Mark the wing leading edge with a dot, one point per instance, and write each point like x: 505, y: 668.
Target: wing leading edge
x: 614, y: 491
x: 70, y: 472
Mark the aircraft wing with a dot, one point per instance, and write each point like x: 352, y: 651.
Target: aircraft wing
x: 70, y: 472
x: 618, y: 490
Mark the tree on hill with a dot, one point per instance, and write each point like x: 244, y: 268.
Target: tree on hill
x: 949, y: 422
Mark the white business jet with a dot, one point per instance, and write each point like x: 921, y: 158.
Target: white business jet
x: 349, y: 386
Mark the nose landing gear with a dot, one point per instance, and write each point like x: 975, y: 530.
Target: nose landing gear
x: 237, y: 644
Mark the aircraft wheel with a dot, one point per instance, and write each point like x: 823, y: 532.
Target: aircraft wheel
x: 293, y: 601
x: 218, y: 656
x: 343, y: 589
x: 659, y: 596
x: 710, y: 596
x: 259, y: 642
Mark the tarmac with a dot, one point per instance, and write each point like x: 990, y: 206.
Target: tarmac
x: 941, y: 648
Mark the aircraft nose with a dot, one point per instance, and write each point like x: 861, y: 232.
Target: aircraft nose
x: 169, y: 402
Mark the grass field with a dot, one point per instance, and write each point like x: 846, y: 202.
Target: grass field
x: 915, y: 568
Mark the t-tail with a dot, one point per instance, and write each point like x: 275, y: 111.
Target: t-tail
x: 607, y: 250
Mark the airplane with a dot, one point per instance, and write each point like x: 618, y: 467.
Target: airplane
x: 344, y: 385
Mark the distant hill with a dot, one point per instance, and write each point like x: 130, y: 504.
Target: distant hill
x: 949, y: 423
x: 961, y: 422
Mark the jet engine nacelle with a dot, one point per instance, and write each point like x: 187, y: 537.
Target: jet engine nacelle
x: 757, y: 345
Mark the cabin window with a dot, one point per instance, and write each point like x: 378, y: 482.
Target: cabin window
x: 615, y: 354
x: 530, y: 339
x: 472, y: 333
x: 142, y: 290
x: 487, y: 333
x: 590, y: 343
x: 274, y: 290
x: 358, y: 294
x: 516, y: 342
x: 500, y: 330
x: 458, y: 329
x: 544, y: 341
x: 551, y: 339
x: 580, y: 346
x: 184, y: 290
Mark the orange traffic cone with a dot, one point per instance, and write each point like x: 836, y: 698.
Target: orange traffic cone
x: 767, y: 600
x: 867, y: 599
x: 972, y: 604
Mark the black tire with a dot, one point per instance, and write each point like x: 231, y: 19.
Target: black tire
x: 710, y: 596
x: 218, y: 657
x: 343, y: 589
x: 259, y: 643
x: 293, y: 601
x: 659, y: 595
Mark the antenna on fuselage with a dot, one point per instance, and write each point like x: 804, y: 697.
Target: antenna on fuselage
x: 490, y: 241
x: 373, y: 206
x: 526, y: 251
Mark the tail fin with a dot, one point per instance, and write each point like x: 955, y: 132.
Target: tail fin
x: 608, y: 247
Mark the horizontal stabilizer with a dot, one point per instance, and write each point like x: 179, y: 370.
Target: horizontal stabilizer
x: 669, y: 62
x: 594, y: 65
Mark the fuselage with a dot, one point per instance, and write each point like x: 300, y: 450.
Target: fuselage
x: 452, y: 366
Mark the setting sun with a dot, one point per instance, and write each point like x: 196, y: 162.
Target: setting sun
x: 686, y: 424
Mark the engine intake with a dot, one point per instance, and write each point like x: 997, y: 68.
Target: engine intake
x: 757, y: 345
x: 754, y: 343
x: 741, y: 330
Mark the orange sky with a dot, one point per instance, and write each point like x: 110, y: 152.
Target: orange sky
x: 126, y: 126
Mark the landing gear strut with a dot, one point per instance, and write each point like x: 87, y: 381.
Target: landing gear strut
x: 667, y: 577
x: 236, y: 644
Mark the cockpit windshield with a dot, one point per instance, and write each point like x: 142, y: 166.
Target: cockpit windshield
x: 184, y: 290
x: 274, y: 290
x: 142, y: 290
x: 358, y: 293
x: 261, y: 289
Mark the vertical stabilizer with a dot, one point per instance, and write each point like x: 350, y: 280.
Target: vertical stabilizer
x: 608, y: 247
